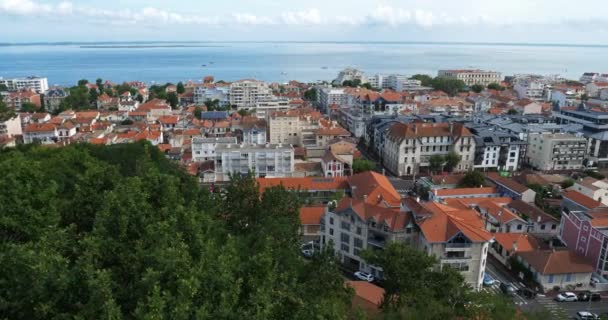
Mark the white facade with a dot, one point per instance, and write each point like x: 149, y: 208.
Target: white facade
x: 246, y: 93
x: 350, y: 74
x: 270, y: 160
x: 11, y: 127
x: 558, y: 151
x: 204, y: 94
x: 472, y: 77
x: 330, y: 96
x: 40, y: 85
x: 533, y: 90
x: 264, y: 108
x: 203, y: 149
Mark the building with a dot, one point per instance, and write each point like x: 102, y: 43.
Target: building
x: 349, y: 74
x: 409, y: 147
x: 45, y: 133
x: 202, y: 94
x: 53, y: 98
x: 16, y: 99
x: 269, y: 160
x: 530, y: 89
x: 310, y: 223
x: 594, y: 128
x: 539, y: 222
x: 265, y: 107
x: 556, y: 151
x: 592, y: 188
x: 512, y: 189
x: 312, y: 189
x: 327, y: 97
x: 247, y: 93
x: 203, y: 149
x: 557, y: 268
x: 472, y: 77
x: 498, y: 150
x: 11, y: 127
x: 38, y: 84
x: 499, y: 218
x: 461, y: 193
x: 367, y: 298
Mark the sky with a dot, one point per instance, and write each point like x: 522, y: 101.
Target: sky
x: 513, y: 21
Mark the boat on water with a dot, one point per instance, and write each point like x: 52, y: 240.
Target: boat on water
x: 324, y: 68
x: 203, y: 65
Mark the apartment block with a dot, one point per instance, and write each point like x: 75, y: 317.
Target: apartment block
x: 472, y: 77
x: 409, y: 147
x: 556, y: 151
x: 247, y: 93
x: 11, y: 127
x: 38, y: 84
x: 269, y: 160
x: 203, y: 149
x: 330, y: 96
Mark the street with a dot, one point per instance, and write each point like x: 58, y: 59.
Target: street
x: 558, y: 310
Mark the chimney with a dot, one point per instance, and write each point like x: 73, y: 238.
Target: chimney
x: 514, y: 246
x: 418, y: 199
x: 538, y: 219
x: 451, y: 126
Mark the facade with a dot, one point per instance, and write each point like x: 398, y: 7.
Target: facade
x: 539, y: 222
x: 530, y: 89
x: 330, y: 96
x: 472, y: 77
x: 594, y: 128
x: 310, y: 223
x: 247, y: 93
x: 561, y: 268
x: 44, y: 133
x: 16, y: 99
x: 202, y: 94
x: 409, y: 147
x: 53, y: 98
x: 556, y: 151
x: 265, y: 107
x: 512, y: 189
x: 498, y: 150
x: 349, y: 74
x: 203, y: 149
x: 270, y: 160
x: 38, y: 84
x: 11, y: 127
x: 592, y: 188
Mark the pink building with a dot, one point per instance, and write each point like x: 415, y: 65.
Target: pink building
x: 584, y: 229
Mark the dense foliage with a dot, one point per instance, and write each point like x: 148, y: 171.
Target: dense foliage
x: 472, y: 179
x: 96, y: 232
x: 362, y: 165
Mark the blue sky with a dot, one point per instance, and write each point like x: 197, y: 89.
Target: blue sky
x: 539, y: 21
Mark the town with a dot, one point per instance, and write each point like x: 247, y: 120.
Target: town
x: 501, y: 178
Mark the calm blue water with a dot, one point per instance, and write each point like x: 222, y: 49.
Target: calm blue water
x: 65, y: 64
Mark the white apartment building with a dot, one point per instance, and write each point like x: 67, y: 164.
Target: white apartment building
x: 471, y: 77
x: 269, y: 160
x: 263, y: 108
x: 397, y: 82
x: 293, y: 127
x: 40, y: 85
x: 11, y: 127
x: 556, y: 151
x: 530, y: 89
x: 350, y: 74
x: 246, y: 93
x: 409, y: 147
x: 330, y: 96
x: 202, y: 94
x: 203, y: 149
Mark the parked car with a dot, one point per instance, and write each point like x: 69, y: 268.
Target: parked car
x: 566, y: 297
x: 364, y: 276
x: 508, y: 289
x: 586, y: 296
x: 488, y: 280
x: 586, y: 315
x: 527, y: 293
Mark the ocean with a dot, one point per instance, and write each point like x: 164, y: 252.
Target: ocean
x: 65, y: 64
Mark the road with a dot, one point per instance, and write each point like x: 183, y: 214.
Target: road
x: 558, y: 310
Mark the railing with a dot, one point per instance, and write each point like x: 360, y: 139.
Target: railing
x: 466, y: 257
x: 458, y: 245
x: 376, y: 242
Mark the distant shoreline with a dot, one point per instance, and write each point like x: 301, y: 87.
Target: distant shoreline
x: 147, y: 46
x: 177, y: 44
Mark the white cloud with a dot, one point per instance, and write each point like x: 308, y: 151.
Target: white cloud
x: 247, y: 18
x: 307, y: 17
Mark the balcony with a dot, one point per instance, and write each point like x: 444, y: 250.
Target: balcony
x: 449, y: 257
x: 458, y: 245
x: 376, y: 242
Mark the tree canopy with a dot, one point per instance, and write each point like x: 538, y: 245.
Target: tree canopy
x: 477, y: 88
x: 6, y: 113
x: 362, y: 165
x: 472, y: 179
x: 425, y: 80
x: 448, y: 85
x: 119, y: 232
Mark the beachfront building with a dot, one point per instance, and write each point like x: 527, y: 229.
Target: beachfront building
x: 350, y: 74
x: 38, y: 84
x: 409, y: 147
x: 556, y: 151
x: 246, y: 93
x: 471, y: 77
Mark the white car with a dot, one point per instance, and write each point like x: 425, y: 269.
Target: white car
x: 566, y: 297
x: 586, y: 315
x: 364, y: 276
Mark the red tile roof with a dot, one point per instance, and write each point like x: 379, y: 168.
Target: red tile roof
x: 311, y: 215
x: 507, y: 183
x: 556, y: 262
x: 39, y: 127
x: 464, y: 191
x: 367, y: 291
x: 374, y: 188
x: 582, y: 199
x: 445, y: 222
x: 522, y: 241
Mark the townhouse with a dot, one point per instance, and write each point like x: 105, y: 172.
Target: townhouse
x: 45, y: 133
x: 10, y: 127
x: 496, y: 149
x: 539, y: 222
x: 409, y: 147
x: 16, y: 99
x: 511, y: 188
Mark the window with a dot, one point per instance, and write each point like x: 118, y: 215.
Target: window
x: 331, y: 231
x: 585, y: 228
x: 583, y: 239
x: 345, y: 247
x: 331, y: 220
x: 550, y: 280
x: 542, y: 227
x: 553, y: 227
x: 519, y: 226
x: 344, y: 237
x: 359, y: 231
x: 356, y: 251
x: 512, y: 155
x: 345, y: 225
x: 568, y: 277
x: 358, y: 243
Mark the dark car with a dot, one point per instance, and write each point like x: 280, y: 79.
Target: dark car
x: 586, y: 296
x: 508, y: 288
x: 527, y: 293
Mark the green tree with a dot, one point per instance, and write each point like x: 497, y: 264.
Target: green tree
x: 93, y: 95
x: 180, y: 88
x: 83, y: 82
x: 29, y: 107
x: 452, y: 159
x: 495, y: 86
x: 448, y: 85
x: 436, y: 162
x: 477, y: 88
x: 99, y: 84
x: 512, y: 112
x: 6, y: 113
x: 472, y: 179
x: 173, y: 99
x: 362, y: 165
x: 139, y: 98
x: 198, y: 112
x: 311, y: 94
x: 3, y: 87
x: 424, y: 79
x: 584, y: 97
x: 567, y: 183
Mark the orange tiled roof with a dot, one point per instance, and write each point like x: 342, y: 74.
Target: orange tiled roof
x: 445, y: 222
x: 465, y: 191
x: 523, y: 242
x: 557, y: 261
x: 311, y: 215
x: 374, y: 188
x: 39, y: 127
x: 582, y: 199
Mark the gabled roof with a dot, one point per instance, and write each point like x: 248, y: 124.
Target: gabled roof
x: 367, y: 291
x: 374, y: 188
x: 393, y: 218
x: 446, y: 222
x: 581, y: 199
x: 556, y: 261
x: 500, y: 214
x: 464, y: 191
x: 523, y: 242
x: 40, y: 127
x: 534, y: 213
x: 507, y: 183
x: 311, y: 215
